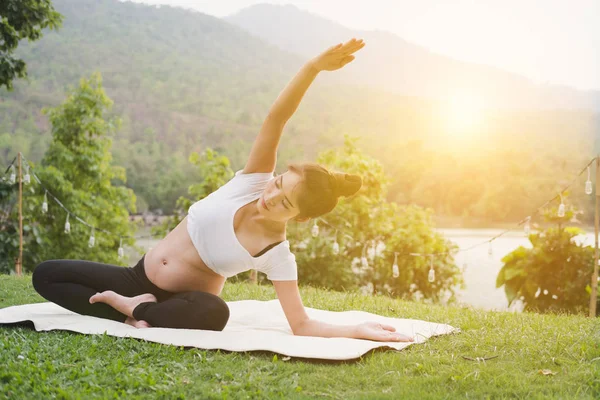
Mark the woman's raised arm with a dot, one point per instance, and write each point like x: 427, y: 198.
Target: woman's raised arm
x: 263, y: 155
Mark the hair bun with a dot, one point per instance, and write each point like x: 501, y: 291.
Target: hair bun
x: 347, y: 184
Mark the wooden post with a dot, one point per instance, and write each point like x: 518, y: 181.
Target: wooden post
x: 19, y: 266
x: 594, y: 284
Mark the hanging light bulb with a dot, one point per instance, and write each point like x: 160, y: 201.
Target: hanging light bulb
x: 13, y: 175
x: 45, y: 203
x: 364, y: 262
x: 315, y: 229
x: 395, y: 269
x: 27, y: 177
x: 336, y: 246
x: 561, y: 208
x: 121, y: 252
x: 431, y: 276
x: 67, y: 225
x: 92, y: 240
x: 371, y: 251
x: 588, y: 183
x: 379, y: 249
x: 527, y: 227
x: 490, y: 250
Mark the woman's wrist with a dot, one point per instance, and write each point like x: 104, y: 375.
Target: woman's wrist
x: 312, y: 65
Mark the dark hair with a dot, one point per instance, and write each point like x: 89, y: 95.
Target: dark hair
x: 320, y: 188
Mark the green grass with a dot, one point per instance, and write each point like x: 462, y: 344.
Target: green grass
x: 62, y: 364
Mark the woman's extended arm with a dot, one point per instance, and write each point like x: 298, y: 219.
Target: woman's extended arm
x: 367, y: 330
x: 302, y: 325
x: 263, y: 155
x: 331, y: 59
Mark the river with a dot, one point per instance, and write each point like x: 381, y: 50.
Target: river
x: 481, y: 269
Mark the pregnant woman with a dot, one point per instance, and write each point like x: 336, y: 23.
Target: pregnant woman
x: 240, y: 226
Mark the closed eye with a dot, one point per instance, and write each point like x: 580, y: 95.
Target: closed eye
x: 278, y: 185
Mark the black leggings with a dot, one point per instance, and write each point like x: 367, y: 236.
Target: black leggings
x: 71, y: 283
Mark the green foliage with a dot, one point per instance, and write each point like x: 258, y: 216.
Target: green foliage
x: 78, y: 170
x: 369, y: 226
x: 214, y: 171
x: 59, y: 364
x: 552, y: 276
x: 21, y: 19
x: 193, y: 81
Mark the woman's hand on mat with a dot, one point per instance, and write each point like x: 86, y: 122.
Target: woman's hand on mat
x: 380, y: 333
x: 337, y: 56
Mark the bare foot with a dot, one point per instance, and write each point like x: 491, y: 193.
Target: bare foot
x: 138, y: 324
x: 123, y: 304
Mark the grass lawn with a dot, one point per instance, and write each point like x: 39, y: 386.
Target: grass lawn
x: 69, y: 365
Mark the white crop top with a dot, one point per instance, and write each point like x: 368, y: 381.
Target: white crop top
x: 210, y: 225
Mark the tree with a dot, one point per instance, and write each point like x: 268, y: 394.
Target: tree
x: 554, y: 275
x: 22, y: 19
x: 77, y: 170
x: 367, y: 226
x: 214, y: 171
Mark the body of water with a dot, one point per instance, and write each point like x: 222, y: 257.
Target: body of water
x: 481, y: 268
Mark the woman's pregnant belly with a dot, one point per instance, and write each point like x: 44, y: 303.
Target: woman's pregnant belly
x: 175, y: 265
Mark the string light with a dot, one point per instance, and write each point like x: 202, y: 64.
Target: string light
x: 395, y: 269
x: 92, y: 239
x: 363, y: 259
x: 315, y: 229
x: 371, y: 251
x: 13, y: 175
x: 588, y: 183
x: 561, y: 207
x: 27, y: 177
x: 431, y: 275
x: 120, y: 252
x: 45, y: 203
x: 364, y: 262
x: 67, y: 225
x: 67, y: 228
x: 336, y: 248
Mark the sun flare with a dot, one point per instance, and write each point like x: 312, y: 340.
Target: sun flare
x: 465, y: 114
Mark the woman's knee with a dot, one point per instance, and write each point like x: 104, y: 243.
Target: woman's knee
x: 213, y: 312
x: 42, y: 275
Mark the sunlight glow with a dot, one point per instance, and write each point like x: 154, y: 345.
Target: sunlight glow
x: 465, y: 114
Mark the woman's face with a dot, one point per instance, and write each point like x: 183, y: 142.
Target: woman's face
x: 278, y: 201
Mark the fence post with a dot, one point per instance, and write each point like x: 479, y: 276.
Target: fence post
x: 19, y: 266
x: 594, y: 283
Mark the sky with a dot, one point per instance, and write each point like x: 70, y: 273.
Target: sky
x: 548, y: 41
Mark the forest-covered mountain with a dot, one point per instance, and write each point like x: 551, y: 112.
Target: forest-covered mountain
x: 182, y: 81
x: 393, y: 64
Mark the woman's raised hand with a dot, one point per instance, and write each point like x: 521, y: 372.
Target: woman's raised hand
x: 379, y: 332
x: 337, y: 56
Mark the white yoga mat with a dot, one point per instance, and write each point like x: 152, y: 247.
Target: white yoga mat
x: 253, y: 325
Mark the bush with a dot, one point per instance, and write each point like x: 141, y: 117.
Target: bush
x: 553, y: 276
x: 369, y: 232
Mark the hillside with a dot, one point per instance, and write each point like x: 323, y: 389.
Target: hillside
x: 393, y: 64
x: 182, y: 81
